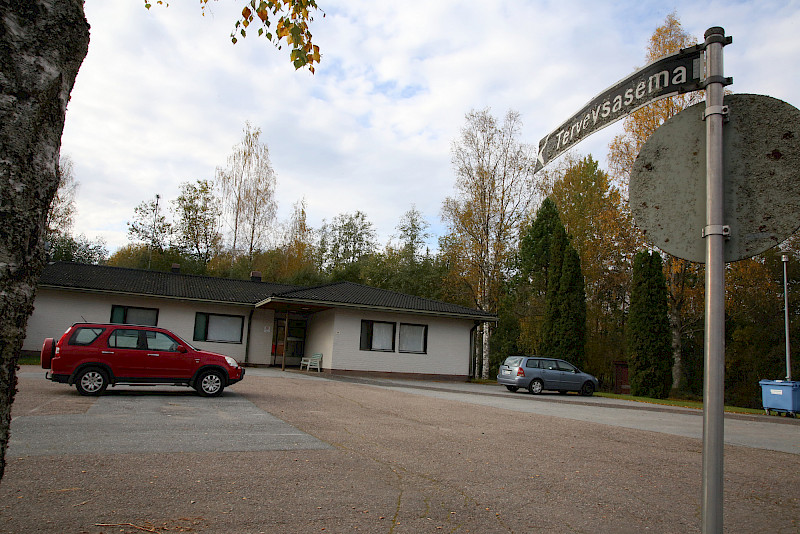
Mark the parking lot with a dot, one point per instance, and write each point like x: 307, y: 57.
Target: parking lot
x: 294, y: 452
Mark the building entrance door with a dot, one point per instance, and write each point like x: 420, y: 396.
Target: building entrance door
x: 291, y: 344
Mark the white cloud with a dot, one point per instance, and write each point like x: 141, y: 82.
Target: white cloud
x: 163, y: 95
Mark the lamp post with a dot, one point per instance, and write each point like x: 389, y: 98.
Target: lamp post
x: 785, y: 259
x: 153, y: 236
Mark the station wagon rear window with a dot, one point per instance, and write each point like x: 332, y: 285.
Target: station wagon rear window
x: 85, y: 336
x: 513, y: 361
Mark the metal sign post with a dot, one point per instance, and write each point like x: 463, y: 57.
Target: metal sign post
x: 714, y: 234
x: 785, y: 260
x: 739, y: 201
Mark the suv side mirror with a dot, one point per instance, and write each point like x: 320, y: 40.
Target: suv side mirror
x: 181, y: 348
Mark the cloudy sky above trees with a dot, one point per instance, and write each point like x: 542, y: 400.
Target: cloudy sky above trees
x: 163, y: 95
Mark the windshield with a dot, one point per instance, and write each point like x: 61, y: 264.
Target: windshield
x: 513, y: 361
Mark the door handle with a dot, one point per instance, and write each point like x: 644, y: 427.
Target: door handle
x: 153, y: 354
x: 107, y: 352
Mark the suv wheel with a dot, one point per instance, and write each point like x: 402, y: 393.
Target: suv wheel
x: 536, y: 386
x: 91, y: 381
x: 210, y: 384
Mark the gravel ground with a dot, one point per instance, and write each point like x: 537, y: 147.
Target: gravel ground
x: 396, y: 463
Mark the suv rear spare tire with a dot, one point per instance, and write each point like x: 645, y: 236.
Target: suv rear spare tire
x: 48, y: 350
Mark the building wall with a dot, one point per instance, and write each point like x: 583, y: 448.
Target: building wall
x: 56, y: 310
x: 260, y: 337
x: 447, y: 351
x: 334, y: 333
x: 320, y: 336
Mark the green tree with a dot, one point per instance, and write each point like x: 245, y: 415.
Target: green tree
x: 142, y: 256
x: 403, y: 266
x: 301, y: 263
x: 494, y: 191
x: 61, y: 214
x: 570, y: 328
x: 601, y: 229
x: 197, y: 220
x: 248, y: 193
x: 150, y: 226
x: 44, y: 43
x: 345, y: 243
x: 682, y: 276
x: 527, y: 290
x: 413, y: 231
x: 78, y: 249
x: 648, y: 333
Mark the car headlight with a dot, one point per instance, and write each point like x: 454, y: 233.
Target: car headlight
x: 231, y: 361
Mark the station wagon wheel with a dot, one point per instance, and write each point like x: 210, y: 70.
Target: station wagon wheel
x: 91, y: 381
x: 587, y: 390
x: 536, y: 386
x: 210, y: 384
x: 512, y: 389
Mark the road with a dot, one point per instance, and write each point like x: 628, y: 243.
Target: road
x: 298, y: 452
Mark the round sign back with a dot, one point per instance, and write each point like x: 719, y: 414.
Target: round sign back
x: 761, y: 155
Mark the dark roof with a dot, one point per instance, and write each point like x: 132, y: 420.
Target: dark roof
x: 350, y: 294
x: 101, y: 278
x: 156, y: 283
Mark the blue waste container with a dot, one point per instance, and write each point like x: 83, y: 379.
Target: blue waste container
x: 780, y: 396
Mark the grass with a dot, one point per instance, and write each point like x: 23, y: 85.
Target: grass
x: 29, y: 360
x: 681, y: 403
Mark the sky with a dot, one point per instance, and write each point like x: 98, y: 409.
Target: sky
x: 163, y: 95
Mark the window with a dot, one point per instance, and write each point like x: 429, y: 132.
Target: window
x: 124, y: 339
x: 564, y: 366
x: 534, y: 363
x: 376, y: 335
x: 160, y: 342
x: 133, y: 315
x: 218, y: 328
x: 85, y: 336
x: 413, y: 338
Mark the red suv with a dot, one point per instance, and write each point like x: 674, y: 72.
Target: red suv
x: 92, y: 356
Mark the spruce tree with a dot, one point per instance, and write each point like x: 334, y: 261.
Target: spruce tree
x: 534, y: 245
x: 648, y: 335
x: 571, y: 326
x: 550, y: 346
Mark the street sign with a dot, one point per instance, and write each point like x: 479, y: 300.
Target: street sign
x: 761, y: 162
x: 671, y: 75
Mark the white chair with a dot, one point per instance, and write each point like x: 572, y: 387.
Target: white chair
x: 312, y: 361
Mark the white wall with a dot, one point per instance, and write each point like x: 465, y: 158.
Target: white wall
x: 56, y: 310
x: 334, y: 333
x: 447, y: 353
x: 319, y: 336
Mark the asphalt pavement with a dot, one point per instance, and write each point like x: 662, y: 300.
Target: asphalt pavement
x: 301, y: 452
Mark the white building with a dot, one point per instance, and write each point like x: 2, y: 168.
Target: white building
x: 356, y: 328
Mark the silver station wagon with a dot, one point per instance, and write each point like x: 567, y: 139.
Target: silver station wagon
x: 538, y: 374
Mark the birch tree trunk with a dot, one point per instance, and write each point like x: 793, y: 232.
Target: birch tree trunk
x: 42, y: 45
